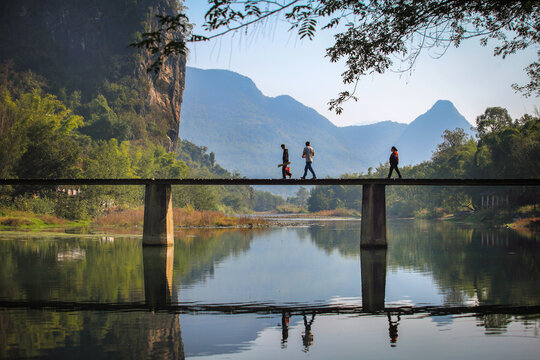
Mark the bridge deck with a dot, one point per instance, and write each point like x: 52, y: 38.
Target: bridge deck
x: 327, y: 181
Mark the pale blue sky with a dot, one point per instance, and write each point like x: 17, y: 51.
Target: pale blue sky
x: 280, y: 64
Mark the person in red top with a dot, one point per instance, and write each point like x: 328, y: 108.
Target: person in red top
x: 394, y: 161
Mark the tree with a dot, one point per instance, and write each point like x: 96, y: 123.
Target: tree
x: 371, y: 34
x: 493, y: 119
x: 302, y: 196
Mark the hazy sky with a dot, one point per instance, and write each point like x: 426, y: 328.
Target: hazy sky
x: 280, y: 64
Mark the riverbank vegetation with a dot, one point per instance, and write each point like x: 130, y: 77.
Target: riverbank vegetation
x: 504, y: 148
x: 107, y: 132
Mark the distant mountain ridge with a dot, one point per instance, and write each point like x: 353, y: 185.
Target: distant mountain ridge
x: 228, y: 113
x: 413, y: 142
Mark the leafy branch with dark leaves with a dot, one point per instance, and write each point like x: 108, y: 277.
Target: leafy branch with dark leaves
x: 169, y: 39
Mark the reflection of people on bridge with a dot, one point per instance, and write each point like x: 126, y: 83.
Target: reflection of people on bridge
x: 284, y: 328
x: 307, y: 337
x: 392, y: 328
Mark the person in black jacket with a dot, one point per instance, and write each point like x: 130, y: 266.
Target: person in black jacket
x: 394, y: 161
x: 284, y: 168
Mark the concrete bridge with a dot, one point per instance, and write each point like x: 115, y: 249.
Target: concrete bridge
x: 158, y: 221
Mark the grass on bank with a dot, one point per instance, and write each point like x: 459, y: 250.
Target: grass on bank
x: 338, y: 213
x: 297, y: 210
x: 23, y: 219
x: 183, y: 217
x: 291, y: 209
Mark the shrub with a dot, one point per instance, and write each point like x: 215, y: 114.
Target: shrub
x: 15, y: 222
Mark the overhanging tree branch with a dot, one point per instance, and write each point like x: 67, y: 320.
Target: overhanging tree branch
x: 379, y: 31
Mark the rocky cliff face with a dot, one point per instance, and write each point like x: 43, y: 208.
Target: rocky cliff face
x: 77, y: 44
x: 166, y: 87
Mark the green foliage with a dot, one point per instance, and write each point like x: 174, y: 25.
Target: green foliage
x: 493, y: 119
x: 300, y: 198
x: 106, y: 137
x: 38, y: 138
x: 505, y: 149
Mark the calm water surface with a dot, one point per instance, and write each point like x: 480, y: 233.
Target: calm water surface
x: 441, y: 290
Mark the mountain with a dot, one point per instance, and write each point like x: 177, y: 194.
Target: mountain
x: 423, y: 135
x: 228, y: 113
x: 373, y: 140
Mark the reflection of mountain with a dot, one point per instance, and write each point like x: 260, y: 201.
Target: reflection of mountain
x: 222, y: 334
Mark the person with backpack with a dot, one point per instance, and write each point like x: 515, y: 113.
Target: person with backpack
x: 285, y: 169
x: 308, y: 154
x: 394, y: 161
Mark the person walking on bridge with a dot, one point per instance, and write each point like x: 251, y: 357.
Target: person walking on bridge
x: 308, y: 154
x: 394, y: 161
x: 285, y: 169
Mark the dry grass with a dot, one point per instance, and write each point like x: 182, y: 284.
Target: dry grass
x: 531, y: 222
x: 126, y: 218
x: 182, y: 217
x: 52, y: 220
x: 338, y: 213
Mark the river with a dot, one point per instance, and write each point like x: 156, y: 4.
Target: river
x: 442, y: 290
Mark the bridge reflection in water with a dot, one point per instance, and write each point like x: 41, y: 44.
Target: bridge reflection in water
x: 158, y: 264
x: 166, y: 342
x: 164, y: 337
x: 373, y: 272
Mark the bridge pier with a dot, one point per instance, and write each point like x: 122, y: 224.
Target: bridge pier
x: 373, y: 227
x: 158, y: 228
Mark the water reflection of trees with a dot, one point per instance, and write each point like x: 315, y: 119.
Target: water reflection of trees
x: 198, y: 252
x: 107, y: 272
x: 490, y: 266
x: 462, y: 261
x: 110, y: 272
x: 131, y: 335
x: 464, y: 266
x: 343, y: 238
